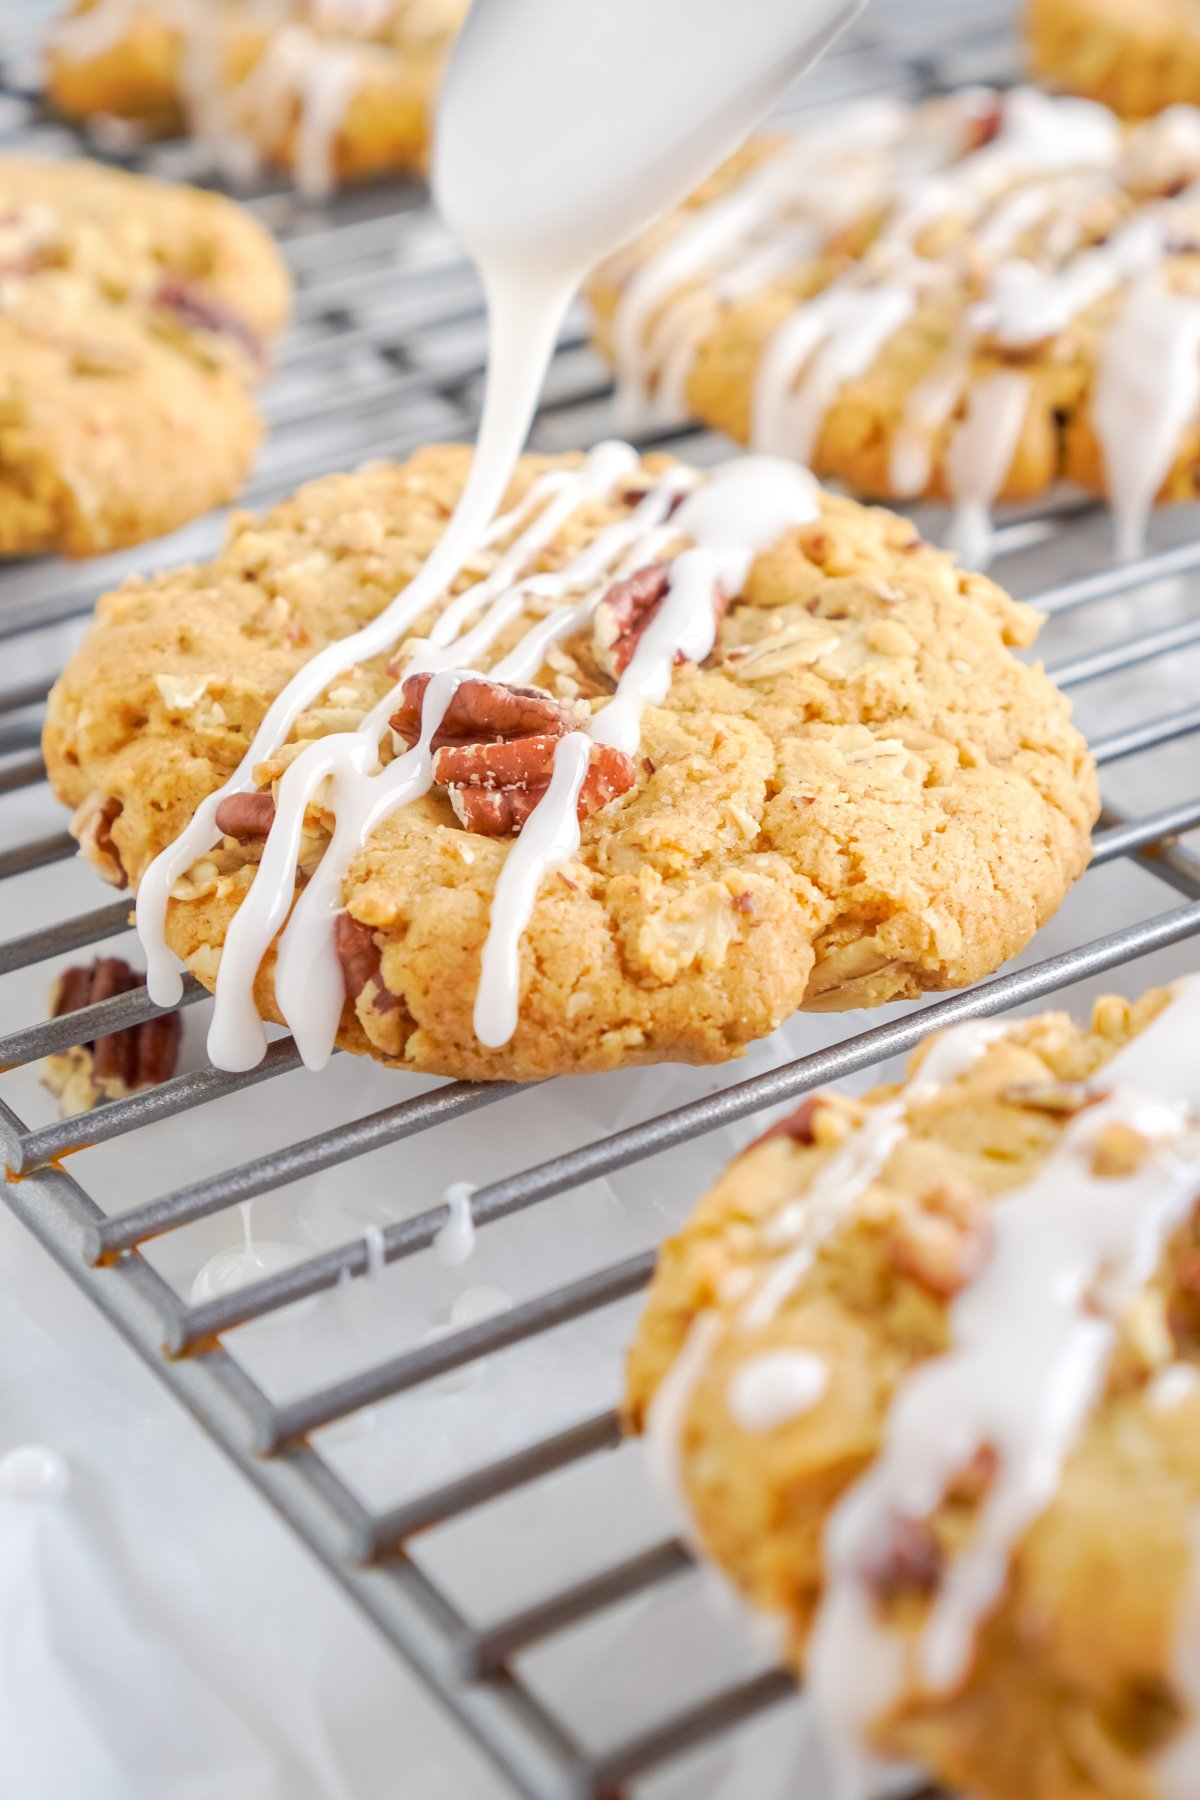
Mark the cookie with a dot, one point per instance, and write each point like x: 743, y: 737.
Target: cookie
x: 968, y: 299
x: 333, y: 90
x: 1136, y: 60
x: 134, y: 322
x: 858, y: 795
x: 924, y: 1373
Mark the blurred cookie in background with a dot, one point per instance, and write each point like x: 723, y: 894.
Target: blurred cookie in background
x: 968, y: 299
x: 135, y: 319
x: 330, y: 90
x: 1137, y: 60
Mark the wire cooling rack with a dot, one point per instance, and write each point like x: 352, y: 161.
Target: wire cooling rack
x: 386, y: 353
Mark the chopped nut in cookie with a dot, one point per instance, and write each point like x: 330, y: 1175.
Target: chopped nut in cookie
x: 626, y: 612
x: 246, y: 817
x: 91, y: 827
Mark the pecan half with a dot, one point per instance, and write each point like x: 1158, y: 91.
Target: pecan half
x: 628, y: 608
x: 494, y: 753
x: 493, y: 788
x: 199, y: 310
x: 481, y: 712
x: 118, y: 1062
x: 362, y: 961
x: 246, y: 817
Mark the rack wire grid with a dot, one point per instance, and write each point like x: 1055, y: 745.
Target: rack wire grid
x: 590, y: 1590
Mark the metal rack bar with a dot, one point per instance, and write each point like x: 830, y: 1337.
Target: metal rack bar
x: 483, y: 1652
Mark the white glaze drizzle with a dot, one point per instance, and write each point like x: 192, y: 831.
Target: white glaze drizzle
x: 979, y: 456
x: 803, y: 1225
x: 33, y: 1472
x: 1051, y: 159
x: 1149, y: 377
x: 1071, y: 1250
x: 455, y: 1240
x: 376, y: 1250
x: 667, y: 1415
x: 776, y: 1386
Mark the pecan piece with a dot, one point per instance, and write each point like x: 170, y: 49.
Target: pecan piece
x: 973, y: 1481
x: 29, y: 241
x: 494, y: 753
x: 1061, y: 1099
x: 1119, y: 1151
x: 624, y: 613
x: 493, y: 788
x: 943, y: 1240
x: 117, y: 1062
x: 481, y: 712
x: 628, y: 608
x: 1183, y: 1305
x: 91, y: 827
x: 246, y: 817
x: 985, y: 127
x: 362, y: 962
x: 197, y: 309
x: 798, y: 1126
x: 910, y: 1567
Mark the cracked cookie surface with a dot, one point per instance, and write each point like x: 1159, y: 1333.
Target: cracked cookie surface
x: 861, y: 794
x: 133, y: 323
x: 962, y: 300
x: 773, y: 1420
x: 327, y: 89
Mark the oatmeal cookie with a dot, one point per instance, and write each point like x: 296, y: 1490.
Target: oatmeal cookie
x: 333, y: 90
x: 1137, y: 60
x: 134, y: 319
x: 923, y: 1369
x: 860, y: 794
x: 968, y: 299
